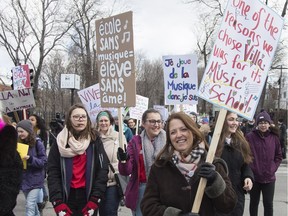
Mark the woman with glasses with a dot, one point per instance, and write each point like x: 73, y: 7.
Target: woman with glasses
x: 266, y: 150
x: 141, y: 154
x: 77, y: 167
x: 110, y: 138
x: 235, y: 151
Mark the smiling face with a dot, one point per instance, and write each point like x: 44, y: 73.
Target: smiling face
x: 153, y: 124
x: 104, y: 124
x: 78, y: 119
x: 181, y: 137
x: 232, y: 123
x: 22, y: 134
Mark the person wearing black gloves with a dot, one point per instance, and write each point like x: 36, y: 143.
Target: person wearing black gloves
x: 77, y: 167
x: 175, y: 175
x: 141, y: 153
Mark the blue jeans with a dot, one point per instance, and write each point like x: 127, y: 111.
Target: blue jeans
x: 109, y: 205
x: 142, y: 188
x: 32, y: 197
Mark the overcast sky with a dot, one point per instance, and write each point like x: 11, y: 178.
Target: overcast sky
x: 161, y: 27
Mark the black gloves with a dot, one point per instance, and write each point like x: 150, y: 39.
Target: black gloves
x: 121, y: 155
x: 189, y: 214
x: 207, y: 170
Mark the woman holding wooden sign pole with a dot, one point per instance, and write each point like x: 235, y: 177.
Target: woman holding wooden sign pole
x: 235, y: 150
x: 175, y: 175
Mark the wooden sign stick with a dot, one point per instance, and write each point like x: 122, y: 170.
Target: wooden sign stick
x: 120, y: 127
x: 210, y: 158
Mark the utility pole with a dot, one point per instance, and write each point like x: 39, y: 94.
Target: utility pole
x: 280, y: 87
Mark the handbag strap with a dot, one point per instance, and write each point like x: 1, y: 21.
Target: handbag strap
x: 111, y: 167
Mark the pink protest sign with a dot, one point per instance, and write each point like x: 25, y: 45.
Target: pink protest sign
x: 241, y: 57
x: 21, y: 77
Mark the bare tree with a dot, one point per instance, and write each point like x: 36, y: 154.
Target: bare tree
x: 150, y: 82
x: 43, y: 22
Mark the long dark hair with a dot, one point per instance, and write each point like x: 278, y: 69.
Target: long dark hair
x: 40, y: 124
x: 239, y: 142
x: 89, y: 130
x: 166, y: 153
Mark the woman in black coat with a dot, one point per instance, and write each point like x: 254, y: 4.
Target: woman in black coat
x: 235, y: 150
x: 11, y: 168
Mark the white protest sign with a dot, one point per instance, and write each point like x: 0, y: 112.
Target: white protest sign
x: 180, y: 79
x: 15, y: 100
x: 241, y: 57
x: 163, y: 111
x: 90, y: 97
x: 141, y: 106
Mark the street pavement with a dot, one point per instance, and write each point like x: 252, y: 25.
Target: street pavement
x: 280, y: 199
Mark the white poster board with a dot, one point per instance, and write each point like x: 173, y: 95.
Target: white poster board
x: 141, y: 106
x: 180, y: 79
x: 15, y: 100
x: 241, y: 57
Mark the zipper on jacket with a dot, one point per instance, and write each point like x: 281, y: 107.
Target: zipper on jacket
x: 64, y: 179
x: 101, y: 159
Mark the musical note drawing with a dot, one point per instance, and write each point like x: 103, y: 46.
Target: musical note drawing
x: 126, y: 37
x: 125, y: 25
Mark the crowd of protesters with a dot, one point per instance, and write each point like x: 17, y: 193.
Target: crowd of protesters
x: 163, y: 160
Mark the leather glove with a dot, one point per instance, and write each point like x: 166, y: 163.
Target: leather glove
x: 90, y: 207
x: 61, y: 208
x: 207, y: 170
x: 189, y: 214
x: 121, y: 155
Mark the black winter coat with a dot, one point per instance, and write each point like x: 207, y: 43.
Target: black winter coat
x: 10, y: 182
x: 238, y: 171
x: 60, y: 172
x: 167, y: 187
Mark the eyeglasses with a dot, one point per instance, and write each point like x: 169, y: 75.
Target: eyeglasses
x: 78, y: 117
x: 153, y: 121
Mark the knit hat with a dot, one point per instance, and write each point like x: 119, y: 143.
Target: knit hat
x: 263, y: 116
x: 26, y: 125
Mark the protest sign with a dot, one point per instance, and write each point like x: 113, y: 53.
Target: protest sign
x: 21, y: 77
x: 180, y: 79
x: 141, y: 106
x: 15, y: 100
x: 241, y: 57
x: 90, y: 97
x: 115, y: 57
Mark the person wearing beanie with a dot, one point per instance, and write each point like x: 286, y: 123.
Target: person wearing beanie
x: 33, y: 175
x: 266, y: 151
x: 11, y: 169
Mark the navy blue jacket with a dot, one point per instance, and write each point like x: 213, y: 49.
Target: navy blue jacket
x: 33, y: 176
x: 60, y: 172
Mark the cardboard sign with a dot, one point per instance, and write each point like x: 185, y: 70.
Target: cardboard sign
x: 21, y: 77
x: 241, y: 57
x: 180, y: 79
x: 115, y: 56
x: 15, y: 100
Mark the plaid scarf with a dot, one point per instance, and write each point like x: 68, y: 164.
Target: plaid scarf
x: 187, y: 165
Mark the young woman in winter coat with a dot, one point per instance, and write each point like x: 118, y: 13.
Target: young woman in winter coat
x: 141, y: 154
x: 235, y: 150
x: 36, y: 159
x: 175, y: 175
x: 11, y: 168
x: 266, y: 149
x: 110, y: 138
x: 77, y: 167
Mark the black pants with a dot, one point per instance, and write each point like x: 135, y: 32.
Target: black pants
x: 268, y: 195
x: 77, y: 201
